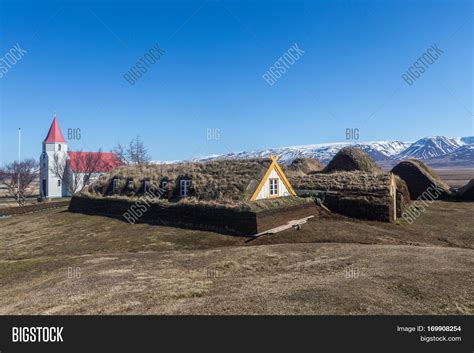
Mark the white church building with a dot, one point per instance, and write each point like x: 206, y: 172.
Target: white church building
x: 64, y: 172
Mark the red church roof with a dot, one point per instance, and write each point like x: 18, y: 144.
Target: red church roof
x: 81, y: 162
x: 54, y: 133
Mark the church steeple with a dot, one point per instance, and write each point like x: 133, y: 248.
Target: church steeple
x: 54, y: 151
x: 54, y: 134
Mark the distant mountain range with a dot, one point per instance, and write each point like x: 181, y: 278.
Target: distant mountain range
x: 437, y: 151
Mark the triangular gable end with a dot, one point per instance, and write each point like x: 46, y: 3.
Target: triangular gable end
x: 273, y: 166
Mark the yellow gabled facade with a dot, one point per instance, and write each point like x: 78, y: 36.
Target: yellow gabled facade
x: 273, y: 184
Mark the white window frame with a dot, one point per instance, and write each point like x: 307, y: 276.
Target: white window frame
x: 273, y: 190
x: 184, y: 186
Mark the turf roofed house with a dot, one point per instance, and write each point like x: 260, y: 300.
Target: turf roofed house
x: 353, y: 185
x: 236, y: 196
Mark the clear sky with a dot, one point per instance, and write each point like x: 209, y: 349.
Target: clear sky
x: 210, y: 76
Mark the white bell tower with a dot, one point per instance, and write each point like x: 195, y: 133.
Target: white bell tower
x: 54, y: 144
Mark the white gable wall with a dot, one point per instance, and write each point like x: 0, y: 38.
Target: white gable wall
x: 265, y: 191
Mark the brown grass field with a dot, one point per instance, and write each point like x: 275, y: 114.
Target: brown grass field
x: 330, y: 266
x: 456, y: 177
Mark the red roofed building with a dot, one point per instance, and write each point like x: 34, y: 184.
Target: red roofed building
x: 106, y: 161
x: 63, y: 172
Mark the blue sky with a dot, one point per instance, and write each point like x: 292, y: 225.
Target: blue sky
x: 210, y: 76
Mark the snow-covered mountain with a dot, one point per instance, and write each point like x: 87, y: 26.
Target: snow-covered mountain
x: 468, y: 140
x: 429, y: 147
x: 323, y: 152
x: 462, y: 157
x: 379, y: 150
x: 385, y: 152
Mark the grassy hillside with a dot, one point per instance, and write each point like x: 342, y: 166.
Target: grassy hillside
x: 330, y: 266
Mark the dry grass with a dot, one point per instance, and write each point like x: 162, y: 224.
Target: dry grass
x: 419, y: 177
x: 277, y: 279
x: 343, y: 181
x: 430, y: 172
x: 456, y: 177
x: 302, y: 166
x: 256, y: 206
x: 214, y: 184
x: 423, y: 268
x: 355, y: 194
x: 224, y: 180
x: 350, y: 159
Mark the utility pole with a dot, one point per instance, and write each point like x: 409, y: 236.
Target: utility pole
x: 19, y: 150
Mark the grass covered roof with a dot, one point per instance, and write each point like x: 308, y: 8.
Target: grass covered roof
x: 303, y: 166
x: 419, y: 177
x: 225, y: 180
x: 343, y: 181
x: 352, y: 159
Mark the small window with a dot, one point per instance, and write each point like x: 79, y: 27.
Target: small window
x: 273, y: 187
x: 164, y: 184
x: 59, y: 182
x: 184, y: 187
x: 130, y: 184
x: 59, y: 147
x: 85, y: 180
x: 146, y: 186
x: 114, y: 185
